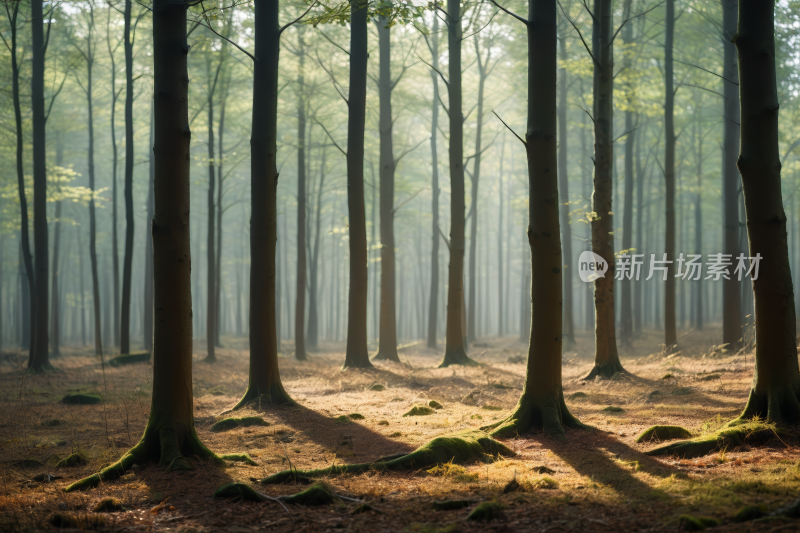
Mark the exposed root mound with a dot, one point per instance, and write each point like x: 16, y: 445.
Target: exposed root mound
x: 465, y: 447
x: 551, y: 415
x: 130, y: 358
x: 606, y: 370
x: 233, y: 423
x: 239, y: 491
x: 420, y: 410
x: 664, y: 433
x: 257, y: 397
x: 316, y: 494
x: 487, y: 511
x: 735, y: 433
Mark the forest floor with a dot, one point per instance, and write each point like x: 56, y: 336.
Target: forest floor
x: 596, y: 481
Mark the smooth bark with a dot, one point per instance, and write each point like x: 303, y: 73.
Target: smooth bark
x: 127, y: 265
x: 433, y: 301
x: 670, y: 332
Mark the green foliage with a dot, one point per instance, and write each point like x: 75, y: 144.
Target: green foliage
x: 434, y: 404
x: 356, y: 416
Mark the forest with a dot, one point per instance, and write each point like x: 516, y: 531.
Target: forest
x: 400, y: 265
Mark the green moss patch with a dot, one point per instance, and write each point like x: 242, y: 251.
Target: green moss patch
x: 668, y: 376
x: 377, y: 387
x: 733, y: 434
x: 316, y: 494
x: 663, y: 433
x: 486, y: 511
x: 356, y: 416
x: 749, y: 512
x: 452, y: 471
x: 82, y: 399
x: 419, y: 410
x: 613, y: 409
x: 239, y: 458
x: 130, y: 358
x: 73, y: 459
x: 577, y: 395
x: 233, y: 423
x: 708, y: 377
x: 383, y: 422
x: 492, y: 408
x: 697, y: 523
x: 239, y: 490
x: 108, y: 505
x: 435, y: 405
x: 343, y: 419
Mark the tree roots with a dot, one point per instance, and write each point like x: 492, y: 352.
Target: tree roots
x: 734, y: 433
x: 551, y: 416
x: 606, y: 370
x: 457, y: 356
x: 255, y: 397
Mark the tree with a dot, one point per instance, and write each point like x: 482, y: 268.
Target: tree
x: 39, y: 360
x: 455, y: 348
x: 626, y: 318
x: 606, y: 357
x: 542, y: 399
x: 357, y: 355
x: 147, y: 324
x: 25, y: 245
x: 563, y: 190
x: 265, y: 380
x: 433, y: 303
x: 170, y: 436
x: 775, y: 392
x: 302, y: 197
x: 127, y: 266
x: 670, y: 335
x: 731, y: 289
x: 387, y: 335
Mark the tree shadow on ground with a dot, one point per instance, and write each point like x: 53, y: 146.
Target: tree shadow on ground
x: 601, y: 459
x: 328, y: 432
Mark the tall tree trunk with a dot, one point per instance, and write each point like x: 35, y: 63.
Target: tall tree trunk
x: 483, y: 67
x: 698, y: 234
x: 626, y: 318
x: 39, y: 359
x: 211, y: 237
x: 501, y: 320
x: 387, y: 335
x: 55, y: 319
x: 265, y: 380
x: 564, y: 207
x: 670, y: 334
x: 127, y: 267
x: 606, y: 357
x: 78, y: 229
x: 313, y: 293
x: 28, y: 274
x: 357, y: 355
x: 455, y: 349
x: 542, y: 399
x: 170, y: 435
x: 148, y: 255
x: 302, y: 220
x: 433, y: 302
x: 775, y: 392
x: 114, y: 165
x: 731, y: 289
x: 637, y: 288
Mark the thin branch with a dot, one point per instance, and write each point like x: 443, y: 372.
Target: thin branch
x: 701, y: 68
x: 791, y: 147
x: 437, y: 71
x: 53, y: 99
x: 630, y: 19
x: 582, y: 109
x: 330, y: 137
x: 444, y: 238
x: 509, y: 129
x: 698, y: 87
x: 396, y: 209
x: 522, y: 20
x: 215, y: 32
x: 579, y: 32
x: 624, y: 134
x: 333, y: 43
x: 476, y: 32
x: 397, y: 161
x: 333, y: 79
x: 295, y: 21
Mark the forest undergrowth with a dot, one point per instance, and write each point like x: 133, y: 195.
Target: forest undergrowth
x: 598, y: 480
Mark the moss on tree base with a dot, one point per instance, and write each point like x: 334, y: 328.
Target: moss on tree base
x: 776, y: 406
x: 256, y: 396
x: 551, y: 416
x: 734, y: 433
x: 461, y: 447
x: 233, y: 423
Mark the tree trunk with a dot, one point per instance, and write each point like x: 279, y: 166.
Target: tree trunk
x: 211, y: 237
x: 78, y: 230
x: 670, y: 334
x: 387, y: 335
x: 433, y: 302
x: 55, y: 319
x: 564, y: 207
x: 775, y: 392
x: 28, y: 274
x: 501, y: 320
x: 698, y: 234
x: 313, y: 293
x: 606, y: 356
x: 148, y: 256
x: 265, y: 381
x: 302, y: 219
x: 357, y: 355
x: 455, y: 348
x: 731, y: 289
x: 127, y: 267
x: 542, y: 399
x: 637, y: 288
x: 39, y: 360
x: 626, y: 318
x: 169, y: 436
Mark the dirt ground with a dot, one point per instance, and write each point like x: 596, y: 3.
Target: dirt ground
x: 597, y: 480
